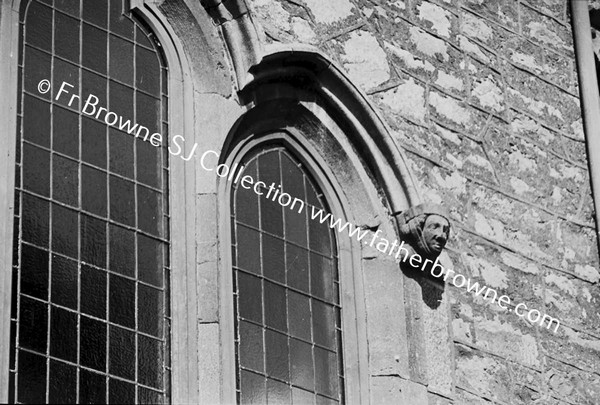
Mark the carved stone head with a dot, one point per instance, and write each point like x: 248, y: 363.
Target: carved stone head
x: 426, y: 229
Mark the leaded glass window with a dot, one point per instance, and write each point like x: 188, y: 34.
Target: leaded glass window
x: 90, y: 305
x: 286, y: 288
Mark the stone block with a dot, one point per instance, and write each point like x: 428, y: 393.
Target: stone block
x: 546, y: 31
x: 365, y: 60
x: 502, y: 12
x: 438, y: 20
x: 209, y: 363
x: 394, y: 390
x: 482, y: 374
x: 571, y: 384
x: 573, y: 301
x: 466, y: 398
x: 388, y: 352
x: 571, y: 347
x: 208, y: 285
x: 206, y: 217
x: 435, y: 399
x: 553, y: 8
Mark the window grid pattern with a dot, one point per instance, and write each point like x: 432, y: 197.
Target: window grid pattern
x: 288, y: 335
x: 90, y: 320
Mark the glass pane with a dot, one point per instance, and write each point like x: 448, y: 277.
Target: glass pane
x: 277, y: 355
x: 93, y: 142
x: 63, y: 334
x: 32, y: 378
x: 66, y: 37
x: 148, y: 168
x: 93, y: 288
x: 36, y: 170
x: 149, y: 210
x: 248, y: 244
x: 302, y: 364
x: 36, y: 220
x: 122, y: 300
x: 68, y: 6
x: 93, y: 191
x: 253, y: 388
x: 92, y: 388
x: 322, y: 318
x: 300, y: 396
x: 121, y: 68
x: 250, y: 297
x: 92, y: 336
x: 300, y: 320
x: 321, y: 277
x: 65, y: 180
x: 247, y: 200
x: 37, y: 129
x: 319, y: 236
x: 95, y: 12
x: 150, y: 260
x: 93, y: 241
x: 251, y: 349
x: 120, y: 392
x: 34, y: 272
x: 150, y: 310
x: 149, y: 363
x: 65, y: 132
x: 122, y: 201
x: 33, y: 325
x: 147, y: 73
x: 278, y: 392
x: 275, y: 308
x: 122, y: 257
x: 69, y: 73
x: 65, y: 228
x: 63, y: 379
x: 121, y: 150
x: 326, y: 372
x: 64, y: 282
x: 122, y: 354
x: 39, y: 70
x: 296, y: 260
x: 118, y: 23
x: 39, y: 30
x: 94, y: 51
x: 273, y: 258
x: 121, y: 101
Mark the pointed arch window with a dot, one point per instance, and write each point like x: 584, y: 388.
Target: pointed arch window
x: 286, y: 286
x: 90, y: 305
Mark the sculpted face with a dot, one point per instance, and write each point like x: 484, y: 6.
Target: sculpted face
x: 435, y: 232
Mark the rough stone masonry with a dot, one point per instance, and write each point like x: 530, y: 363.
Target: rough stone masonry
x: 483, y: 96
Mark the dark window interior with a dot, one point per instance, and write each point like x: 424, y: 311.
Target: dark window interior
x: 286, y: 289
x: 90, y: 316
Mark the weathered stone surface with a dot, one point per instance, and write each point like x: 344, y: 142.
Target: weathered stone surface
x: 388, y: 353
x: 484, y: 95
x: 210, y: 363
x: 482, y: 374
x: 394, y: 390
x: 365, y: 60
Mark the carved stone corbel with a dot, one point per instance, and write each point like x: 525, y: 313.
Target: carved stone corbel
x: 426, y: 228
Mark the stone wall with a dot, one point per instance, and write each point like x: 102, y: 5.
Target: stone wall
x: 483, y: 97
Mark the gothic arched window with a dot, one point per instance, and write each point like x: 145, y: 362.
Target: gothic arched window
x: 286, y: 286
x: 90, y: 305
